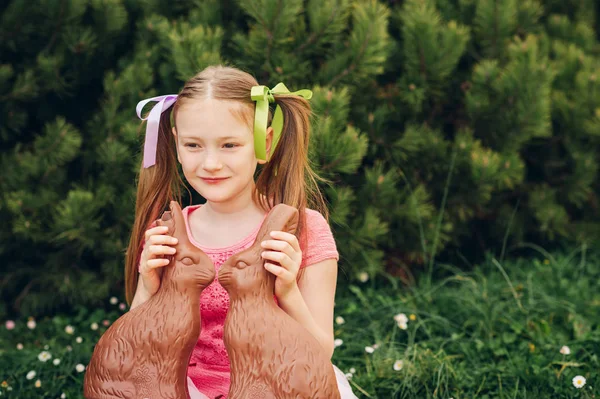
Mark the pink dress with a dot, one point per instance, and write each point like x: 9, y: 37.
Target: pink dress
x: 208, y: 370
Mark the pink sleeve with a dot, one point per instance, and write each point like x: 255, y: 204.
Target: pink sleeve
x: 320, y: 242
x: 154, y: 224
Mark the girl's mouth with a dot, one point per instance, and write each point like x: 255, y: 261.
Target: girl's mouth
x: 213, y: 180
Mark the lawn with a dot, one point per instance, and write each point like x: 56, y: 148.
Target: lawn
x: 519, y: 328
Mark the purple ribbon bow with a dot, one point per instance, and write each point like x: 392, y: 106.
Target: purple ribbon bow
x: 153, y: 118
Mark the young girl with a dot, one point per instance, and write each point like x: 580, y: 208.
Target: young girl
x: 220, y: 136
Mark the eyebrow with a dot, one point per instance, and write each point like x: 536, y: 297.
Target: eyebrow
x: 220, y: 138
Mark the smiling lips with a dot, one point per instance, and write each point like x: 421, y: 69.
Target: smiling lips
x: 214, y: 180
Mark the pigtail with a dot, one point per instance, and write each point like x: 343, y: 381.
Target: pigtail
x: 156, y: 187
x: 288, y: 176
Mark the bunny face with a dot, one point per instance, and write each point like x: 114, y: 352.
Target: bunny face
x: 244, y: 272
x: 192, y: 268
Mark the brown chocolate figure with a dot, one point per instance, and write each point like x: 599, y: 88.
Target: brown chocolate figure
x: 271, y: 354
x: 145, y: 353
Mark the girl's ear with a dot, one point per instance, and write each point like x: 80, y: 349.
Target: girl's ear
x: 269, y: 141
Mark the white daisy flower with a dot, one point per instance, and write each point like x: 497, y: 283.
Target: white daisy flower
x: 113, y: 300
x: 94, y: 326
x: 63, y: 396
x: 401, y: 318
x: 578, y: 381
x: 19, y: 346
x: 369, y: 349
x: 363, y: 277
x: 80, y: 367
x: 38, y: 383
x: 69, y: 330
x: 79, y: 340
x: 31, y: 375
x: 398, y: 364
x: 339, y: 320
x: 348, y: 376
x: 565, y: 350
x: 56, y: 361
x: 352, y: 370
x: 44, y: 356
x: 31, y: 324
x: 337, y: 342
x: 402, y: 326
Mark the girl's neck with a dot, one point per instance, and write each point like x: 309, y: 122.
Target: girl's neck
x: 231, y: 212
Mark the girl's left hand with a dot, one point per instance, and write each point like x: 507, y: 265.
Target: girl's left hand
x: 285, y: 250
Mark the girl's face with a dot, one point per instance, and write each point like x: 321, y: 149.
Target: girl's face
x: 213, y: 143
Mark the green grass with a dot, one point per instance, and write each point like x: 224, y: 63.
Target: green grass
x: 494, y: 332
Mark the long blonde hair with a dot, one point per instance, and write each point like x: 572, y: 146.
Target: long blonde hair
x: 294, y: 184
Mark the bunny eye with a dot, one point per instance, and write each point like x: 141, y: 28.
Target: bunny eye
x: 187, y: 261
x: 240, y: 264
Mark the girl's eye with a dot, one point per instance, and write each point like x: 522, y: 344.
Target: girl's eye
x: 228, y: 144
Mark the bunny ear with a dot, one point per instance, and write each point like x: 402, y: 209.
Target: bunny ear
x: 173, y: 218
x: 292, y: 224
x: 166, y: 216
x: 281, y: 217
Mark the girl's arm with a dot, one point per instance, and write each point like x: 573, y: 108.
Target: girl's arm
x: 141, y: 295
x: 312, y: 303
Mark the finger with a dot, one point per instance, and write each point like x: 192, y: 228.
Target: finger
x: 278, y: 245
x: 161, y: 250
x: 288, y: 237
x: 284, y: 260
x: 155, y: 263
x: 279, y: 271
x: 163, y: 239
x: 155, y: 231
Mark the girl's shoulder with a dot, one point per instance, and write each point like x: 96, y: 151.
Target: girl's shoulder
x: 315, y: 220
x: 320, y: 243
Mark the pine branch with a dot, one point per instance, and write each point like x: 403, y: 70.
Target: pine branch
x: 313, y: 37
x: 351, y: 67
x: 57, y: 27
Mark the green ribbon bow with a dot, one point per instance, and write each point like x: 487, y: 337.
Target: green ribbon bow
x: 263, y: 96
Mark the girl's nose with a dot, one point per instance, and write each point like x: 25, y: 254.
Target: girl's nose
x: 211, y: 162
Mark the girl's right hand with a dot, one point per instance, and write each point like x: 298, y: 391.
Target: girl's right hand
x: 156, y: 247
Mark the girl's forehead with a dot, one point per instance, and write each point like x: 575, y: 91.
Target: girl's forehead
x: 211, y: 106
x: 213, y: 114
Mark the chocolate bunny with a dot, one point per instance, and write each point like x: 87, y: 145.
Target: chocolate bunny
x: 271, y: 354
x: 145, y: 353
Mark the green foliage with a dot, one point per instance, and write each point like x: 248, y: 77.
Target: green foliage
x: 59, y: 336
x: 448, y: 128
x: 493, y: 332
